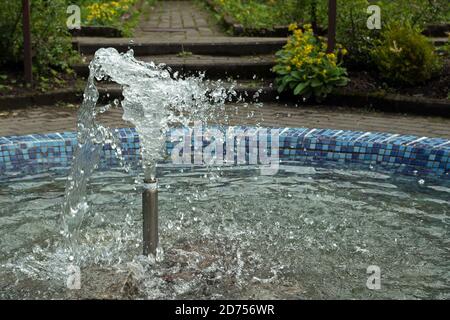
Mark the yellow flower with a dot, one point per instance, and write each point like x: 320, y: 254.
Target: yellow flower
x: 292, y: 26
x: 344, y: 51
x: 298, y: 34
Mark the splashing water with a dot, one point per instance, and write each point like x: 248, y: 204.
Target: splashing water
x: 307, y: 232
x: 153, y: 100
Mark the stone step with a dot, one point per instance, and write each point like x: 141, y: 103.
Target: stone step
x: 439, y: 41
x: 246, y: 91
x: 264, y: 91
x: 217, y: 46
x: 215, y: 67
x: 224, y: 46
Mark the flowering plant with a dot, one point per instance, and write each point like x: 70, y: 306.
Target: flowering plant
x: 304, y: 66
x: 104, y: 13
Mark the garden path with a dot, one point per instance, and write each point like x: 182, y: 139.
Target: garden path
x: 63, y: 118
x: 177, y: 20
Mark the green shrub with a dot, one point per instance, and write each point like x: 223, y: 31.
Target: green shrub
x: 119, y: 14
x: 106, y: 12
x: 10, y: 29
x: 403, y: 56
x: 415, y: 12
x: 51, y: 42
x: 304, y: 67
x: 269, y: 13
x: 352, y: 31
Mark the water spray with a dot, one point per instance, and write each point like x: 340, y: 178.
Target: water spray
x: 153, y: 98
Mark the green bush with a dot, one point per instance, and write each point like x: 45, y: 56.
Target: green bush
x: 352, y: 31
x: 304, y: 67
x: 352, y: 14
x: 403, y: 56
x: 112, y: 13
x: 418, y: 13
x: 263, y: 13
x: 51, y: 42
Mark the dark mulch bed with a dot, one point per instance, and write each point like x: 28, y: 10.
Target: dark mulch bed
x: 14, y: 84
x: 437, y: 87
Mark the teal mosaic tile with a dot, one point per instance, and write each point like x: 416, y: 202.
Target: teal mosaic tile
x: 41, y: 152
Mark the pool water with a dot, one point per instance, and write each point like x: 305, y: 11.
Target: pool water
x: 305, y: 233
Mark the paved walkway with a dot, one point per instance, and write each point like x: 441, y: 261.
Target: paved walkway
x: 63, y: 118
x: 177, y: 20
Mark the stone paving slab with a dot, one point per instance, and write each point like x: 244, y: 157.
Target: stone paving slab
x: 177, y: 20
x: 63, y: 118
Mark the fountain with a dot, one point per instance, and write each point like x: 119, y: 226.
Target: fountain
x: 153, y: 98
x: 339, y: 206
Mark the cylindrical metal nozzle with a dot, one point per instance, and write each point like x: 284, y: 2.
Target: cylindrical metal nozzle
x: 150, y: 215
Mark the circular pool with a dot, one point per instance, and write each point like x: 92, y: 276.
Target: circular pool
x: 340, y: 206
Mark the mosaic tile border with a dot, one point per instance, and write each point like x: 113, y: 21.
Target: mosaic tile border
x: 37, y: 153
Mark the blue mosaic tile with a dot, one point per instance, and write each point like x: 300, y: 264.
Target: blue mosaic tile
x: 40, y: 152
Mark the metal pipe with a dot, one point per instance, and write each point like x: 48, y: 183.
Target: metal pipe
x: 150, y: 216
x: 27, y: 55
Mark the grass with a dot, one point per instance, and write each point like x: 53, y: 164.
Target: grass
x: 184, y: 54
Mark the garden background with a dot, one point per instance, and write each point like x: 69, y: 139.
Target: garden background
x: 397, y: 56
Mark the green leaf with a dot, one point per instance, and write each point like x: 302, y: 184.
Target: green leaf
x: 297, y: 75
x: 301, y: 87
x: 292, y: 85
x: 280, y: 89
x: 341, y: 82
x: 316, y: 83
x: 281, y: 71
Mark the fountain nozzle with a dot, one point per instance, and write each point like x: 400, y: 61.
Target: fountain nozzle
x: 150, y: 216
